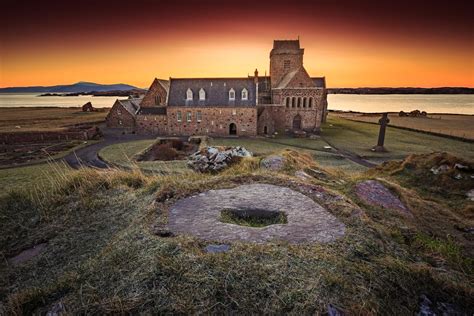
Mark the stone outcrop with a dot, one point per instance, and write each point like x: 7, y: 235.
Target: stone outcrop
x: 274, y: 163
x: 214, y: 159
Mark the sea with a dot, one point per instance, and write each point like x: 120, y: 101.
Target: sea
x: 368, y: 103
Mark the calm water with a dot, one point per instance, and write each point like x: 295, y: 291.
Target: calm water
x: 32, y: 99
x: 459, y: 103
x: 441, y: 103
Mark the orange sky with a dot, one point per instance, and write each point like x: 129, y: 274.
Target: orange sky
x: 352, y: 45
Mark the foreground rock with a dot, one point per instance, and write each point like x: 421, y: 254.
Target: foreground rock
x: 214, y: 159
x: 307, y: 221
x: 375, y: 193
x: 274, y: 163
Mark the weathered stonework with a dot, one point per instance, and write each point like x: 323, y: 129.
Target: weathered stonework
x: 289, y: 100
x: 120, y: 117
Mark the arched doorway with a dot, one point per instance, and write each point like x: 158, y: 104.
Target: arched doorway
x: 232, y: 129
x: 297, y: 122
x: 265, y: 130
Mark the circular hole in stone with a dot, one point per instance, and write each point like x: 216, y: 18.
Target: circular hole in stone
x: 253, y: 217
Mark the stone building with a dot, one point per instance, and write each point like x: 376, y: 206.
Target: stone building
x: 123, y: 114
x: 286, y: 101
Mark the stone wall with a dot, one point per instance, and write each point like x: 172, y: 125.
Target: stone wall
x: 33, y: 137
x: 293, y: 60
x: 214, y: 121
x: 152, y: 124
x: 119, y: 117
x: 155, y: 96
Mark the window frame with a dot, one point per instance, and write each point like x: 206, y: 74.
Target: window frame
x: 198, y: 116
x: 246, y: 92
x: 232, y: 92
x: 179, y: 116
x: 202, y: 94
x: 189, y: 95
x: 189, y: 116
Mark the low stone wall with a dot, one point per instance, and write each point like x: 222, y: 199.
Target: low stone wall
x: 30, y: 137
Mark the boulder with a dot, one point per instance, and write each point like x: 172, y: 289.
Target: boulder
x: 214, y: 159
x: 273, y: 163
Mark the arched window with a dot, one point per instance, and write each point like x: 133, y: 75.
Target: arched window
x: 157, y: 100
x: 287, y: 102
x: 293, y: 102
x: 202, y: 94
x: 299, y: 102
x: 232, y: 94
x: 310, y: 102
x: 304, y: 102
x: 245, y: 94
x: 189, y: 94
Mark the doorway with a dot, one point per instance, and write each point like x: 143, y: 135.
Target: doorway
x: 265, y: 130
x: 232, y: 129
x: 297, y: 122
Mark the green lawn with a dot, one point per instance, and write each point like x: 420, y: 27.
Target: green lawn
x: 360, y: 137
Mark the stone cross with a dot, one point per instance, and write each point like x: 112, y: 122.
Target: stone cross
x: 384, y: 120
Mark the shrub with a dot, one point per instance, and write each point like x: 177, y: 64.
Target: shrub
x: 177, y: 144
x: 166, y: 152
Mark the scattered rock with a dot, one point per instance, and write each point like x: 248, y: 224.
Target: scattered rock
x: 374, y: 193
x: 460, y: 166
x: 429, y: 308
x: 334, y: 311
x: 27, y: 254
x: 440, y: 170
x: 214, y: 159
x: 217, y: 248
x: 470, y: 194
x: 56, y: 310
x: 161, y: 230
x: 458, y: 176
x: 274, y: 163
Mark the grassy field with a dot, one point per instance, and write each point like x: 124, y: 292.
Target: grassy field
x: 45, y: 119
x: 102, y: 257
x: 447, y: 124
x: 361, y: 137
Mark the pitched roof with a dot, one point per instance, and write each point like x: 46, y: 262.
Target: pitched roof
x: 131, y: 105
x: 217, y: 91
x: 287, y: 80
x: 164, y: 83
x: 161, y: 110
x: 320, y: 82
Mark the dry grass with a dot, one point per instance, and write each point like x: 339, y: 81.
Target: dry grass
x: 45, y: 119
x: 103, y: 258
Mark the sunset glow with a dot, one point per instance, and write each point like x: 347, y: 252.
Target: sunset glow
x: 406, y: 44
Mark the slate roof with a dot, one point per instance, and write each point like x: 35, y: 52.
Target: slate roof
x: 320, y: 82
x: 217, y: 91
x: 153, y: 110
x: 131, y: 105
x: 165, y: 84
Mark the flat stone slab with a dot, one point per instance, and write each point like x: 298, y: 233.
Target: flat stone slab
x: 308, y: 222
x: 375, y: 193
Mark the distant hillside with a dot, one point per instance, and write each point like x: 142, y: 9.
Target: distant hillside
x: 72, y: 88
x: 408, y: 90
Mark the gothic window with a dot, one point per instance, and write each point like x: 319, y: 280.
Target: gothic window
x: 299, y: 102
x: 198, y: 116
x: 287, y: 102
x: 310, y: 105
x: 202, y: 94
x: 188, y: 116
x: 231, y: 94
x: 293, y: 102
x: 304, y: 102
x: 178, y: 116
x: 245, y: 94
x: 157, y: 100
x: 189, y: 94
x: 286, y: 64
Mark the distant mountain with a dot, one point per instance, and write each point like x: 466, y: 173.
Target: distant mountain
x: 76, y: 87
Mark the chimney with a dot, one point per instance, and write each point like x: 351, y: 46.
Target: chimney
x: 255, y: 79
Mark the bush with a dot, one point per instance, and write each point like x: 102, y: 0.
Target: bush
x: 165, y: 152
x: 177, y: 144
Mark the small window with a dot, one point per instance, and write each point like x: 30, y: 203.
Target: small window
x: 287, y: 101
x: 179, y: 116
x: 245, y: 94
x: 189, y: 94
x: 157, y: 100
x: 293, y: 102
x: 231, y: 94
x: 310, y: 102
x: 198, y: 116
x: 119, y: 112
x: 188, y: 116
x: 299, y: 102
x: 120, y: 122
x: 286, y: 64
x: 202, y: 94
x: 304, y: 102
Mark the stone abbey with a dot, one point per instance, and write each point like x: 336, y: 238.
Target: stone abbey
x: 287, y: 101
